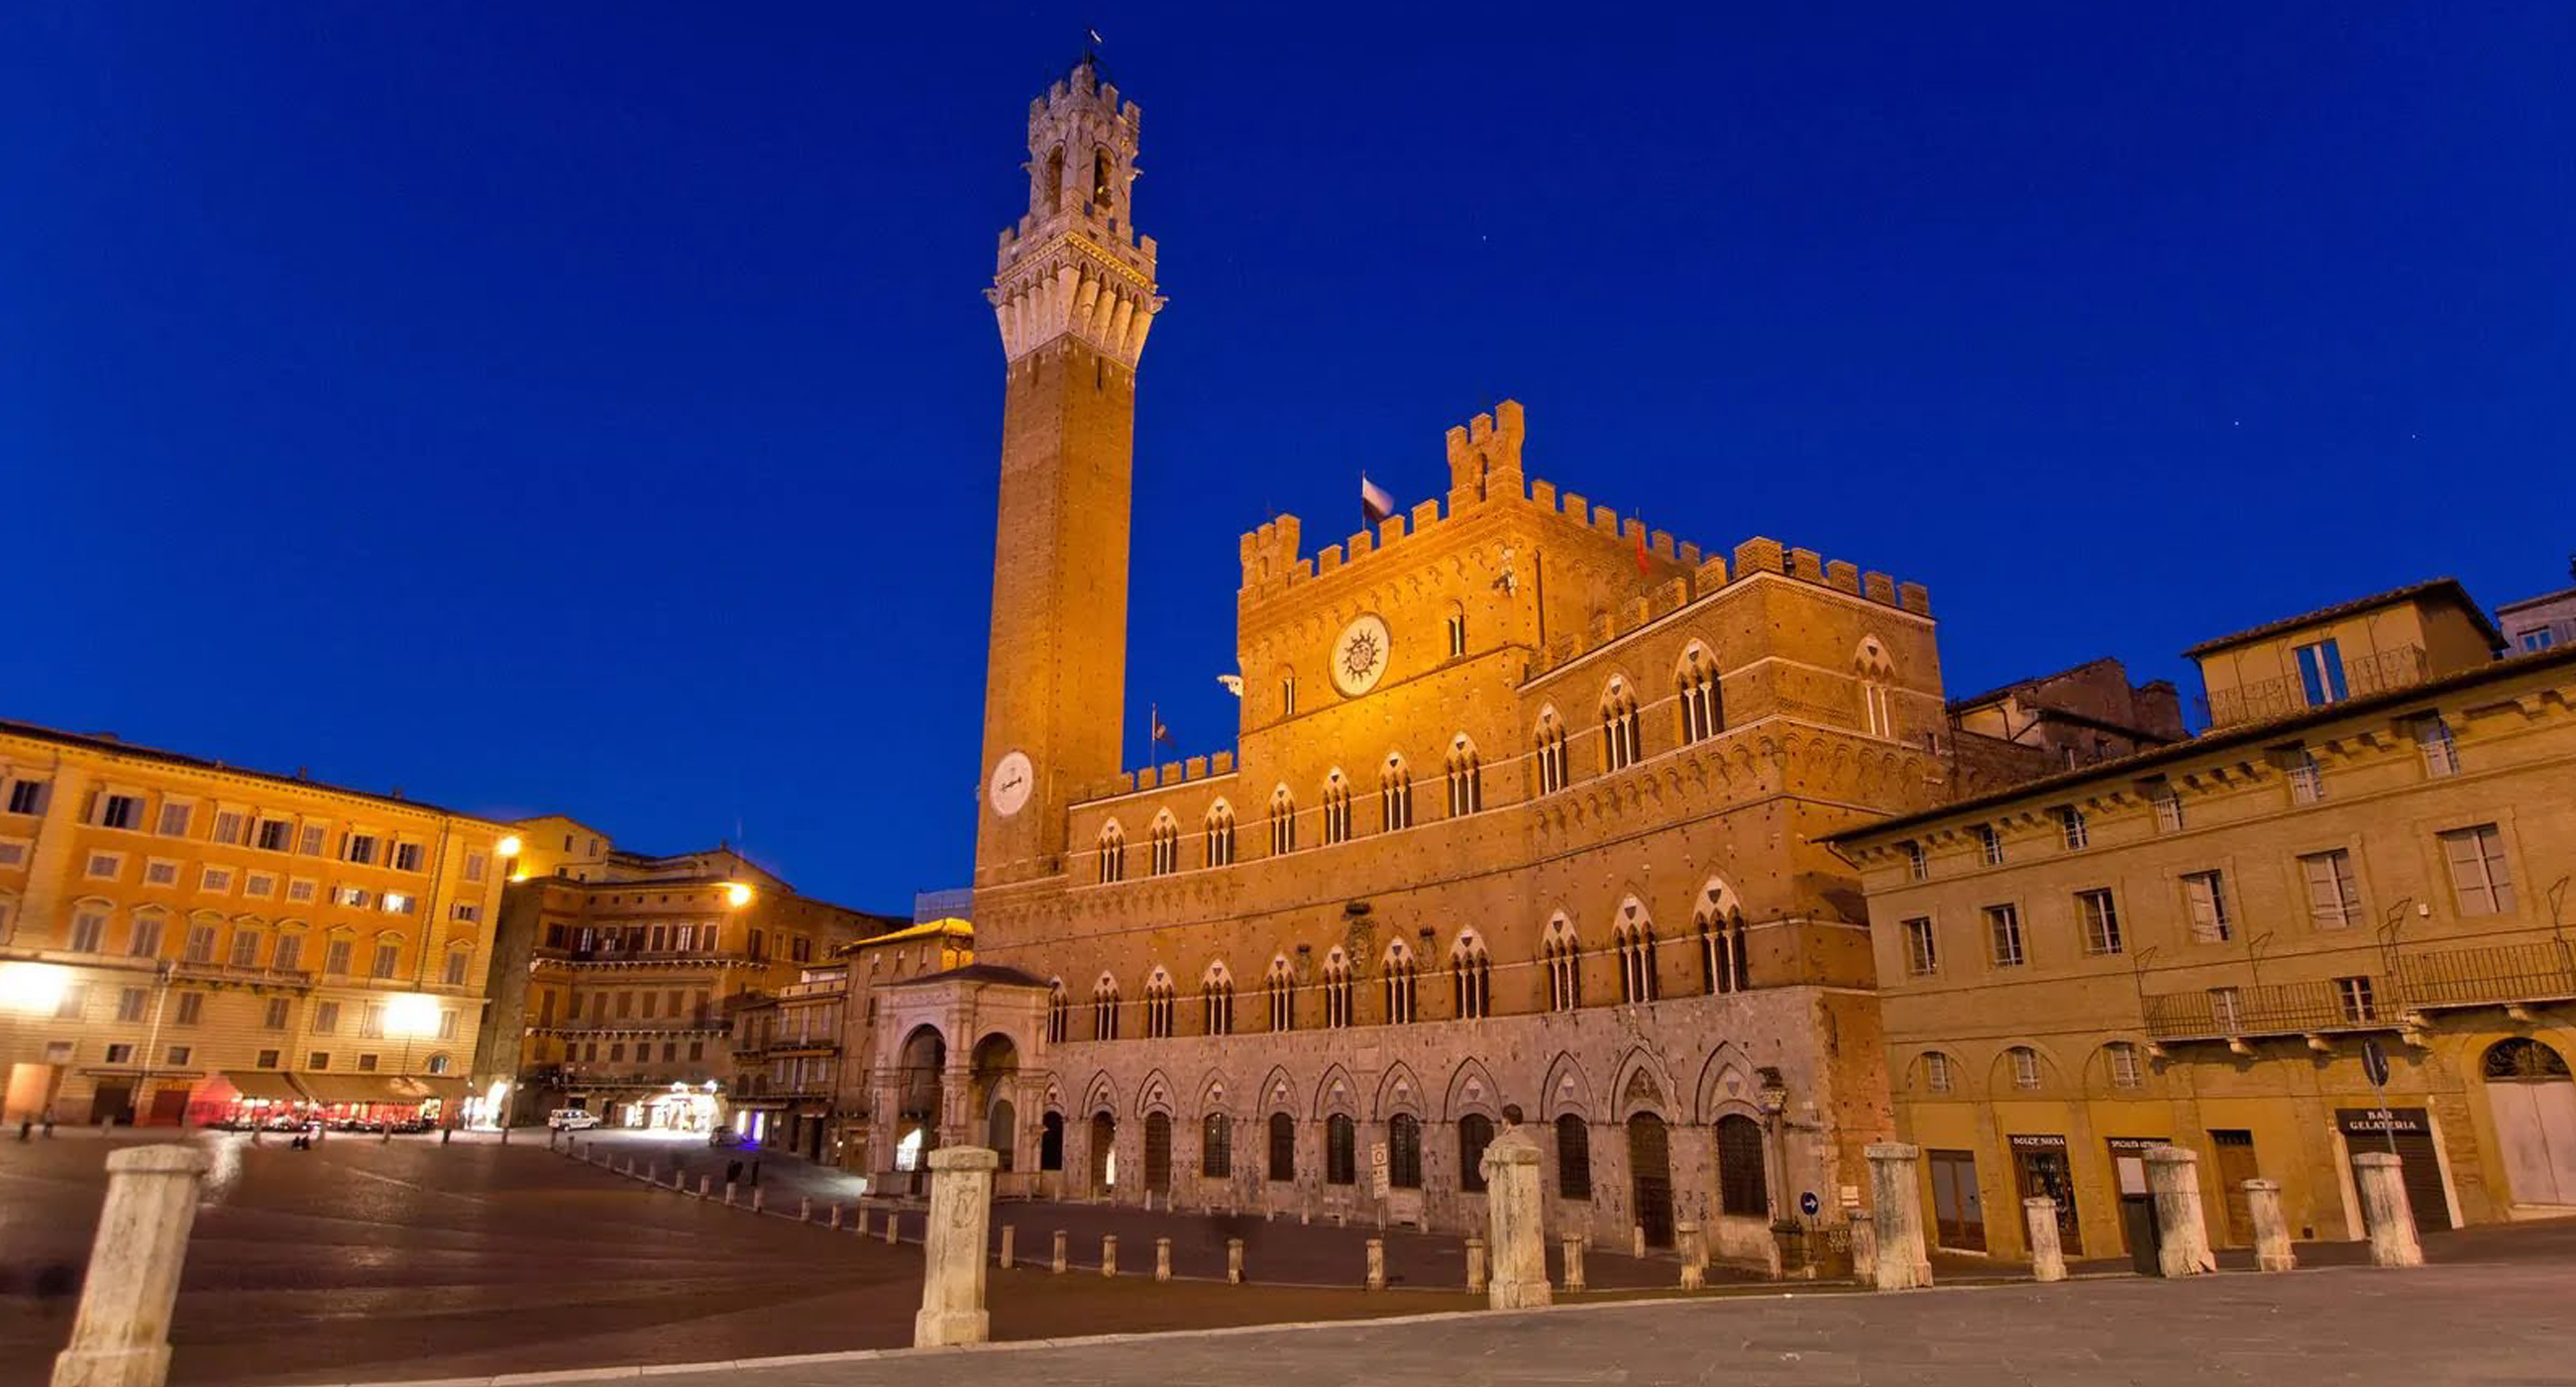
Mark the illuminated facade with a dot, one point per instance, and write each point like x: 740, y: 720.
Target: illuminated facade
x: 182, y: 940
x: 633, y: 968
x: 2197, y: 942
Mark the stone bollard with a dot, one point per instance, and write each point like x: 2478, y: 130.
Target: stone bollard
x: 679, y: 1180
x: 1376, y: 1278
x: 121, y: 1336
x: 1109, y: 1254
x: 1008, y: 1232
x: 1694, y: 1272
x: 1058, y: 1265
x: 729, y: 1194
x: 652, y: 1174
x: 1637, y: 1240
x: 1571, y: 1249
x: 2182, y: 1234
x: 805, y: 1208
x: 1899, y: 1261
x: 1864, y: 1247
x: 756, y: 1198
x: 1234, y: 1261
x: 894, y: 1226
x: 1475, y: 1266
x: 835, y: 1221
x: 952, y: 1248
x: 2047, y: 1254
x: 705, y: 1185
x: 1162, y: 1259
x: 2271, y: 1230
x: 626, y: 1165
x: 1515, y: 1223
x: 2386, y: 1211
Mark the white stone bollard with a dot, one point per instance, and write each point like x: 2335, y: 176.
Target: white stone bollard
x: 652, y: 1174
x: 952, y: 1248
x: 679, y: 1180
x: 894, y: 1225
x: 2271, y: 1230
x: 1376, y: 1279
x: 1162, y: 1259
x: 1008, y: 1233
x: 1109, y: 1254
x: 1899, y: 1261
x: 804, y: 1208
x: 2386, y: 1211
x: 2182, y: 1234
x: 1694, y: 1272
x: 705, y: 1185
x: 2047, y: 1253
x: 1571, y: 1249
x: 835, y: 1222
x: 1515, y: 1222
x: 1475, y: 1266
x: 757, y: 1198
x: 729, y: 1194
x: 1059, y: 1264
x: 1637, y: 1240
x: 121, y: 1336
x: 1234, y: 1261
x: 1864, y: 1247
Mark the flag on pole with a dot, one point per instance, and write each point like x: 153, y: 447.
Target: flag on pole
x: 1375, y: 504
x: 1162, y: 735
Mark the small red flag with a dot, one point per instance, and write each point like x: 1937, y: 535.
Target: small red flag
x: 1640, y: 527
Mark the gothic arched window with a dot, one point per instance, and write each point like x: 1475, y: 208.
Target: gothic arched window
x: 1696, y: 681
x: 1635, y: 936
x: 1281, y: 986
x: 1283, y: 821
x: 1398, y: 964
x: 1466, y: 777
x: 1471, y: 977
x: 1104, y: 1008
x: 1216, y: 1000
x: 1619, y: 744
x: 1719, y: 923
x: 1337, y: 808
x: 1165, y: 838
x: 1158, y: 1005
x: 1113, y: 852
x: 1220, y: 835
x: 1549, y: 745
x: 1337, y: 990
x: 1394, y: 795
x: 1564, y: 965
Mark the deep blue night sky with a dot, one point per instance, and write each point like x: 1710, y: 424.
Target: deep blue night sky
x: 591, y: 408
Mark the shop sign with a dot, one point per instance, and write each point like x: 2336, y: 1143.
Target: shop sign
x: 2358, y: 1122
x: 2037, y: 1142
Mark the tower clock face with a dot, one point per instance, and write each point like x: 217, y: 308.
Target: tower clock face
x: 1360, y: 655
x: 1013, y: 778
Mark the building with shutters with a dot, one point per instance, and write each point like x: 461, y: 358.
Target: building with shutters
x: 185, y: 940
x: 2371, y: 844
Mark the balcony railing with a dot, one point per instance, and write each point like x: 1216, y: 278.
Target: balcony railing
x: 208, y: 970
x: 2421, y: 980
x: 2394, y: 668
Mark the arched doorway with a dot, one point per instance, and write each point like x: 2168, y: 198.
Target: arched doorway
x: 2532, y: 1098
x: 1650, y: 1176
x: 1051, y: 1141
x: 923, y: 1059
x: 1158, y: 1152
x: 996, y: 1067
x: 1104, y: 1153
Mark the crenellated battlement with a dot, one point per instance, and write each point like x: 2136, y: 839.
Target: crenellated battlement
x: 1073, y: 263
x: 1214, y: 766
x: 1706, y: 578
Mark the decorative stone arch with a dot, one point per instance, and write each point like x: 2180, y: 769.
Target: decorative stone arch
x: 1643, y: 1085
x: 1398, y: 1091
x: 2097, y: 1080
x: 1164, y: 819
x: 1727, y: 1079
x: 1100, y: 1095
x: 1155, y: 1094
x: 1567, y: 1090
x: 1054, y: 1100
x: 2053, y: 1073
x: 1336, y: 1092
x: 1870, y: 658
x: 1216, y: 1093
x: 1278, y: 1092
x: 1215, y: 973
x: 1965, y: 1084
x: 1633, y: 913
x: 1694, y: 657
x: 1472, y: 1089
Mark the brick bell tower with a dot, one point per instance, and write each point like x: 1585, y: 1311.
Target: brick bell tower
x: 1073, y: 291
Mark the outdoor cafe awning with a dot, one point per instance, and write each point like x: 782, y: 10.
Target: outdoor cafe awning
x: 264, y: 1084
x: 420, y: 1088
x: 354, y: 1088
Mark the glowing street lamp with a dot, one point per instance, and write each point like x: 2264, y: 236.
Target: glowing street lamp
x: 737, y: 894
x: 33, y: 989
x: 510, y: 846
x: 411, y: 1015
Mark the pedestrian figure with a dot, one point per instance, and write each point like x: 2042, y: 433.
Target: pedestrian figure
x: 49, y: 1124
x: 755, y: 1174
x: 26, y: 1127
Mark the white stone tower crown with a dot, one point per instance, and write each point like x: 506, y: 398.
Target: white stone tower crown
x: 1074, y: 264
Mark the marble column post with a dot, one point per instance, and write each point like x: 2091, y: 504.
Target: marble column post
x: 2271, y: 1229
x: 1570, y: 1250
x: 121, y: 1335
x: 952, y: 1248
x: 1898, y: 1259
x: 2182, y: 1233
x: 1058, y: 1264
x: 1864, y: 1246
x: 1109, y: 1254
x: 1234, y: 1261
x: 1475, y: 1266
x: 1376, y: 1277
x: 1515, y: 1222
x: 2386, y: 1211
x: 1009, y: 1235
x: 2047, y: 1253
x: 1686, y: 1237
x: 1162, y: 1259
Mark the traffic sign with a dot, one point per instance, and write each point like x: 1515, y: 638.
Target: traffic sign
x: 1808, y: 1204
x: 2374, y: 1062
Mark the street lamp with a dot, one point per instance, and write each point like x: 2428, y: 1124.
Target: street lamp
x: 33, y: 989
x: 737, y: 894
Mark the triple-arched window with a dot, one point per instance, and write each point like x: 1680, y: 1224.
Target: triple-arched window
x: 1696, y: 683
x: 1283, y: 821
x: 1166, y: 844
x: 1471, y: 977
x: 1619, y: 741
x: 1395, y: 795
x: 1337, y: 989
x: 1113, y: 852
x: 1220, y: 834
x: 1547, y: 746
x: 1398, y: 983
x: 1104, y: 1008
x: 1059, y: 1013
x: 1719, y: 922
x: 1466, y: 777
x: 1281, y: 987
x: 1216, y: 999
x: 1564, y: 962
x: 1158, y: 1005
x: 1635, y: 936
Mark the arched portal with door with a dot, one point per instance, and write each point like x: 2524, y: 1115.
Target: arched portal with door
x: 920, y: 1064
x: 996, y: 1069
x: 1104, y: 1153
x: 1650, y: 1176
x: 1158, y: 1152
x: 2532, y: 1099
x: 1743, y: 1190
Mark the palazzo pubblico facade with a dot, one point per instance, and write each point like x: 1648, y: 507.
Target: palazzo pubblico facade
x: 1524, y: 825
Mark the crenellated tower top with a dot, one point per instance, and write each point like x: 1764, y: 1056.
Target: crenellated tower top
x: 1074, y: 265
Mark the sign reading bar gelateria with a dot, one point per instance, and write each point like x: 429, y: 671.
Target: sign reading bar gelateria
x: 2373, y: 1121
